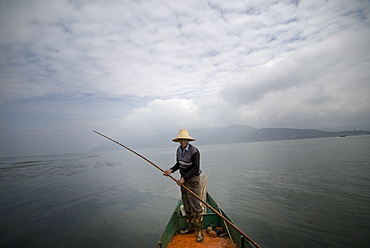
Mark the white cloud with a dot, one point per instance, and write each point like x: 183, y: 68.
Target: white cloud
x: 145, y: 66
x: 161, y: 116
x: 327, y: 62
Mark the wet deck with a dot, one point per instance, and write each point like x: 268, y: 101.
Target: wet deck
x: 188, y: 240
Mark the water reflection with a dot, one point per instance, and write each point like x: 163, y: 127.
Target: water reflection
x: 303, y: 193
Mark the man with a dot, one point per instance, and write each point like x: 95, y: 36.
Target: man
x: 188, y: 162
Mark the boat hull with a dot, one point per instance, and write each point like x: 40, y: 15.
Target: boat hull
x: 177, y: 222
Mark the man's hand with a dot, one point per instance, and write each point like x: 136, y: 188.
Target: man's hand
x: 167, y: 172
x: 180, y: 181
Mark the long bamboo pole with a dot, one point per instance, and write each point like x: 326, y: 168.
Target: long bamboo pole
x: 186, y: 188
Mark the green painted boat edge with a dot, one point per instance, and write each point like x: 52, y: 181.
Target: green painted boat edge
x: 177, y: 222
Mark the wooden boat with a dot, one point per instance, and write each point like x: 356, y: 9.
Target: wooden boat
x: 232, y: 238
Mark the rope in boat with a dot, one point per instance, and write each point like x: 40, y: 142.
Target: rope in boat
x: 186, y: 188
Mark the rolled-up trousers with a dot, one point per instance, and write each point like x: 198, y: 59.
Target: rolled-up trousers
x: 191, y: 203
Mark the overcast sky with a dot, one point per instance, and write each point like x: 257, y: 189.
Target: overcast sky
x: 133, y: 68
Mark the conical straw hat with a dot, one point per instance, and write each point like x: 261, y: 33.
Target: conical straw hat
x: 183, y: 134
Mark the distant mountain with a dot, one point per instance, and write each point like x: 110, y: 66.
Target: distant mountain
x: 365, y: 127
x: 225, y: 135
x: 268, y: 134
x: 265, y: 134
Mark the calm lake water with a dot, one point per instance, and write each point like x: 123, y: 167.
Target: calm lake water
x: 297, y: 193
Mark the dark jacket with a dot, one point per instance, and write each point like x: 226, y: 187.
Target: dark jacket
x: 188, y: 162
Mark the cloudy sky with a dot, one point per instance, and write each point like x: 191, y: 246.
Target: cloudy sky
x: 132, y: 68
